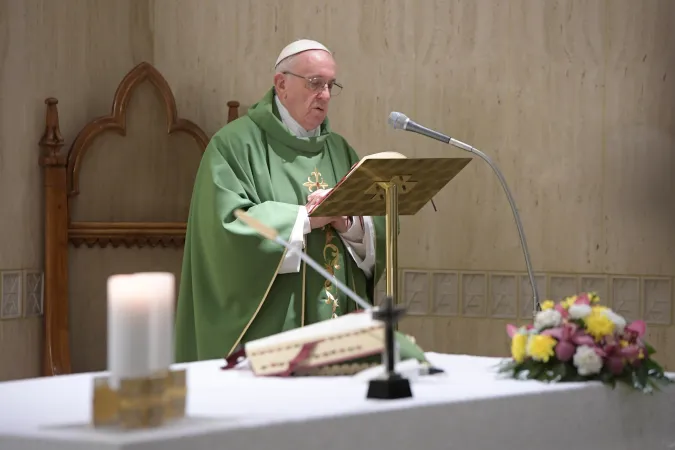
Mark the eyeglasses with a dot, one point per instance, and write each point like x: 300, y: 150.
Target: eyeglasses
x: 317, y: 84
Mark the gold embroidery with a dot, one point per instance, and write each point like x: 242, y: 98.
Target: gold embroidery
x: 334, y: 301
x: 331, y: 253
x: 316, y: 183
x: 331, y: 256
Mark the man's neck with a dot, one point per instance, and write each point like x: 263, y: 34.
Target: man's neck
x: 292, y: 124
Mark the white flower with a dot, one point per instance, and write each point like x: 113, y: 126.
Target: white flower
x: 547, y: 318
x: 579, y: 311
x: 618, y: 321
x: 587, y: 361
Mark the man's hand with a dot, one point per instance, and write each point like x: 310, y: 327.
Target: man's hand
x: 315, y: 198
x: 341, y: 224
x: 320, y: 222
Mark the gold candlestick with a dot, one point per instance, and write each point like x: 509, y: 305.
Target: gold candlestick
x: 145, y: 402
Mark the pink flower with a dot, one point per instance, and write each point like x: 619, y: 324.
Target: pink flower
x: 563, y: 312
x: 617, y: 355
x: 582, y: 299
x: 564, y: 350
x: 635, y: 330
x: 569, y: 336
x: 632, y: 334
x: 631, y: 353
x: 615, y: 364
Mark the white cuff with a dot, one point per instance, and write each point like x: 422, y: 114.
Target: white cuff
x: 291, y: 262
x: 307, y: 227
x: 362, y: 248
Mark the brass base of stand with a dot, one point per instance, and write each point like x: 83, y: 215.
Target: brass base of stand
x: 147, y: 402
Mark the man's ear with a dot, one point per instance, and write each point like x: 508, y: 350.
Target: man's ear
x: 279, y: 83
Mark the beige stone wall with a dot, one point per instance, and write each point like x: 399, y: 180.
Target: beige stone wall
x: 572, y: 99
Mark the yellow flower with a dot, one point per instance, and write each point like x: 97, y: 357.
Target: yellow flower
x: 569, y: 301
x: 547, y: 304
x: 593, y: 297
x: 541, y: 347
x: 518, y: 347
x: 598, y: 324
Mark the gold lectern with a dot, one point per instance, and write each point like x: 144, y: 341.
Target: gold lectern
x: 389, y: 186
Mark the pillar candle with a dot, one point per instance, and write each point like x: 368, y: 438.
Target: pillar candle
x: 128, y: 329
x: 159, y: 288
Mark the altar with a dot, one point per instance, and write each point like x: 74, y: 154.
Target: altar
x: 466, y: 408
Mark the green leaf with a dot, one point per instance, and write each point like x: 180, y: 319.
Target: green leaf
x: 537, y: 371
x: 653, y: 384
x: 646, y: 378
x: 639, y: 379
x: 409, y: 349
x: 558, y: 371
x: 650, y: 350
x: 508, y: 365
x: 608, y: 378
x: 642, y: 374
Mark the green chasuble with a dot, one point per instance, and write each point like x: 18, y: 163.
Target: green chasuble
x: 231, y: 290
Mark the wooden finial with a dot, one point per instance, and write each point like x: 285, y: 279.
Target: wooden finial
x: 232, y: 111
x: 51, y: 140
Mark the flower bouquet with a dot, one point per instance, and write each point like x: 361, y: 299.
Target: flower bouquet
x: 578, y: 339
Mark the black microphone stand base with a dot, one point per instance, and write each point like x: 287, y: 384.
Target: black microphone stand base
x: 391, y: 387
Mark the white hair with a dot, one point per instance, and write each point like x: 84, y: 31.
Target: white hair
x: 286, y: 64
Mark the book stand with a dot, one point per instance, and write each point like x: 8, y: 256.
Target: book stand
x: 389, y: 187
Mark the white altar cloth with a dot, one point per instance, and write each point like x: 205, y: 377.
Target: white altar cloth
x: 467, y: 408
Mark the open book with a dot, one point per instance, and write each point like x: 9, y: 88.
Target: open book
x: 358, y: 193
x: 381, y: 155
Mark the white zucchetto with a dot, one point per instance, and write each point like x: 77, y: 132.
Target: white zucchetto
x: 300, y: 46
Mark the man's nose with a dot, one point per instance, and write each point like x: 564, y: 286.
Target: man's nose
x: 324, y: 93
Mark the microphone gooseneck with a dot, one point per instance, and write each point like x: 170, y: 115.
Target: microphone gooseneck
x: 400, y: 121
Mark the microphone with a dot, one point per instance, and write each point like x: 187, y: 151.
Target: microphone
x: 400, y: 121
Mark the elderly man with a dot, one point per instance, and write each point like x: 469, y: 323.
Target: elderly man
x: 275, y: 162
